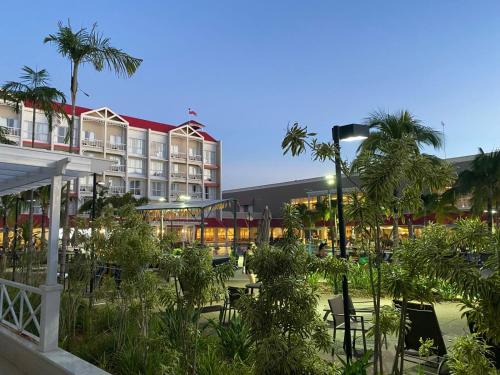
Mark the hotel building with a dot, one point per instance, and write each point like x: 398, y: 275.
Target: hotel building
x: 159, y: 161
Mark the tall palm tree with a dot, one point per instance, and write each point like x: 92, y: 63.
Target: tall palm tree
x: 82, y: 47
x: 43, y: 197
x: 396, y: 141
x: 33, y: 89
x: 482, y: 181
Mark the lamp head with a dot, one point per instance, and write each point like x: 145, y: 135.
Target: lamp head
x: 353, y: 132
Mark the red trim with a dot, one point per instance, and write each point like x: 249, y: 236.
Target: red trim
x: 42, y: 145
x: 211, y: 166
x: 140, y: 123
x: 37, y: 221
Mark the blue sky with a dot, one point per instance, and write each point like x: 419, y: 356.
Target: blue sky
x: 250, y: 67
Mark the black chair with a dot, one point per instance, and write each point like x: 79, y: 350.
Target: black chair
x: 231, y: 302
x: 357, y: 322
x: 424, y: 325
x: 208, y: 308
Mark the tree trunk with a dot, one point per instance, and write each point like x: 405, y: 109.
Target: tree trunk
x: 65, y: 239
x: 397, y: 368
x: 411, y: 233
x: 490, y: 213
x: 5, y: 241
x: 30, y: 216
x: 43, y: 227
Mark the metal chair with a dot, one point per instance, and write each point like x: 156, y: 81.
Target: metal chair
x: 357, y: 321
x: 231, y: 302
x: 424, y: 325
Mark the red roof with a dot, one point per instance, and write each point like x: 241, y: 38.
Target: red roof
x: 141, y: 123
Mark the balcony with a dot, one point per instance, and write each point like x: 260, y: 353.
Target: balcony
x: 86, y: 189
x: 116, y: 146
x: 178, y: 175
x: 175, y: 194
x: 196, y: 176
x: 195, y: 158
x: 13, y: 132
x: 116, y: 190
x: 196, y: 196
x: 119, y: 168
x: 93, y: 143
x: 178, y: 155
x: 157, y: 173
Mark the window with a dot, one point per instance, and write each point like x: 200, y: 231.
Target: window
x: 12, y: 125
x: 175, y: 168
x: 194, y: 171
x: 157, y: 189
x: 61, y: 134
x: 210, y: 157
x: 176, y: 187
x: 89, y: 135
x: 210, y: 174
x: 41, y: 131
x: 210, y: 193
x: 136, y: 146
x: 135, y: 187
x: 158, y: 150
x: 195, y: 189
x: 175, y: 149
x: 116, y: 159
x: 135, y: 166
x: 157, y: 168
x: 115, y: 139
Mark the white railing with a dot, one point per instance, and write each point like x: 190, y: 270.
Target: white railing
x: 116, y: 146
x: 196, y: 196
x: 158, y: 173
x: 117, y: 168
x: 93, y: 143
x: 16, y: 132
x: 86, y: 188
x: 195, y: 176
x: 197, y: 158
x: 178, y: 175
x: 178, y: 155
x: 20, y: 307
x: 176, y: 194
x: 116, y: 190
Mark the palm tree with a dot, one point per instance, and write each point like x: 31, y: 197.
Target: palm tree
x: 83, y: 47
x: 482, y: 180
x: 7, y: 206
x: 397, y: 141
x: 43, y: 196
x: 33, y: 89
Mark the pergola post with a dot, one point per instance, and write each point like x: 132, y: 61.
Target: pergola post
x: 51, y: 291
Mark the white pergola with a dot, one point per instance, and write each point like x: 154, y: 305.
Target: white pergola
x: 23, y: 169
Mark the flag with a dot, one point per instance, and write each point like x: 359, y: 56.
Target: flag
x: 191, y: 112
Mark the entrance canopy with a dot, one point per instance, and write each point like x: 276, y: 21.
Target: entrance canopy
x: 23, y: 169
x: 173, y: 210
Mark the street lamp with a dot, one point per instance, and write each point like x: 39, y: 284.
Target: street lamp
x: 351, y: 132
x: 330, y: 181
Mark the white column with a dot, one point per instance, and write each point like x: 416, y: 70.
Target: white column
x: 51, y: 292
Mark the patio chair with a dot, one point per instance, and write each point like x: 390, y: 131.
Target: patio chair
x: 353, y: 310
x: 231, y: 302
x: 208, y: 308
x: 357, y: 322
x: 424, y: 324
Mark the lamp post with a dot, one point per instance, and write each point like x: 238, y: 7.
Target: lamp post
x: 349, y: 132
x: 330, y: 180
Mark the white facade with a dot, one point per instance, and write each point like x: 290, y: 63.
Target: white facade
x: 152, y: 160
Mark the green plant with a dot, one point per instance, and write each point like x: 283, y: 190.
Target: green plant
x: 358, y: 367
x: 468, y: 355
x: 235, y: 339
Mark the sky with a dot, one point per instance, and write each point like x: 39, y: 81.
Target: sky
x: 249, y: 68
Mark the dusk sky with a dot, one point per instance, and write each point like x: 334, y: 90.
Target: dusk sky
x: 250, y: 67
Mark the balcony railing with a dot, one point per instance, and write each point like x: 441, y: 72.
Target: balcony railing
x: 116, y: 146
x: 86, y: 188
x: 158, y: 173
x: 197, y: 158
x: 196, y: 196
x: 116, y: 190
x: 178, y: 175
x: 174, y: 194
x: 195, y: 176
x: 15, y: 132
x: 20, y: 308
x: 178, y: 155
x: 118, y: 168
x: 92, y: 143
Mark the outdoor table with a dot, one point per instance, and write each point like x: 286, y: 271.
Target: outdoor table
x: 253, y: 286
